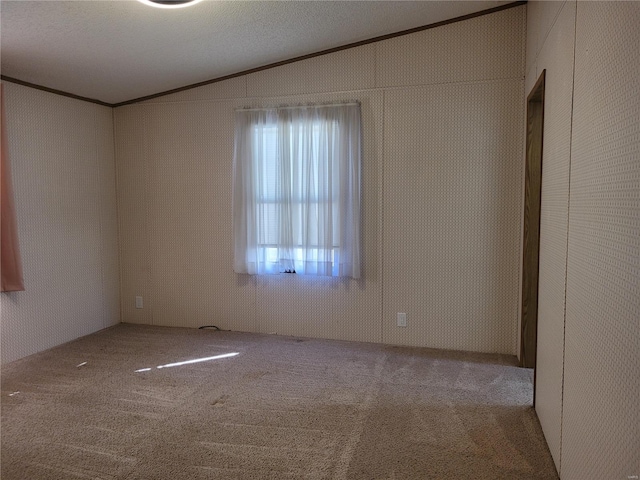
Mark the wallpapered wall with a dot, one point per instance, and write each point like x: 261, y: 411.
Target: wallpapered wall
x: 588, y: 380
x: 442, y: 166
x: 62, y: 159
x: 555, y: 53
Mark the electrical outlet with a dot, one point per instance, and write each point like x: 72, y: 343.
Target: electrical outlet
x: 138, y: 302
x: 402, y: 319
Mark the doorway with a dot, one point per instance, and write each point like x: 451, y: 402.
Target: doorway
x: 531, y: 233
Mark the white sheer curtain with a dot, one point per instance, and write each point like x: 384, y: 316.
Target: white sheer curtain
x: 296, y: 200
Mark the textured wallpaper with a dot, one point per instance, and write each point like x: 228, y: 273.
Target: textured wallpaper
x: 555, y: 56
x: 452, y: 215
x: 588, y: 370
x: 601, y: 414
x: 62, y: 155
x: 442, y: 116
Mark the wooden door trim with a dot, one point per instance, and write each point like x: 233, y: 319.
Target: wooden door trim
x: 537, y: 95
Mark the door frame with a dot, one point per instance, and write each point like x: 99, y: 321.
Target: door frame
x: 536, y: 95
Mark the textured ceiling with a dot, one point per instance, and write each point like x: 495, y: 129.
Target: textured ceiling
x: 118, y: 50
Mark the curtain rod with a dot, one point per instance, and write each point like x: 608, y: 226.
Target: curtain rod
x: 298, y: 106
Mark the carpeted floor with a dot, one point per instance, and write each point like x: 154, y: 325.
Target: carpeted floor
x: 283, y: 408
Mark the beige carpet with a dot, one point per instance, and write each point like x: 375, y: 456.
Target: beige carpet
x: 283, y: 408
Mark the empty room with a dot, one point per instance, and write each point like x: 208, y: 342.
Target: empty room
x: 320, y: 239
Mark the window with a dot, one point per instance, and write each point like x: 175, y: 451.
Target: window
x: 296, y: 199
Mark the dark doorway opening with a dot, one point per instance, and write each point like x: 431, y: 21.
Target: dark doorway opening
x: 531, y: 234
